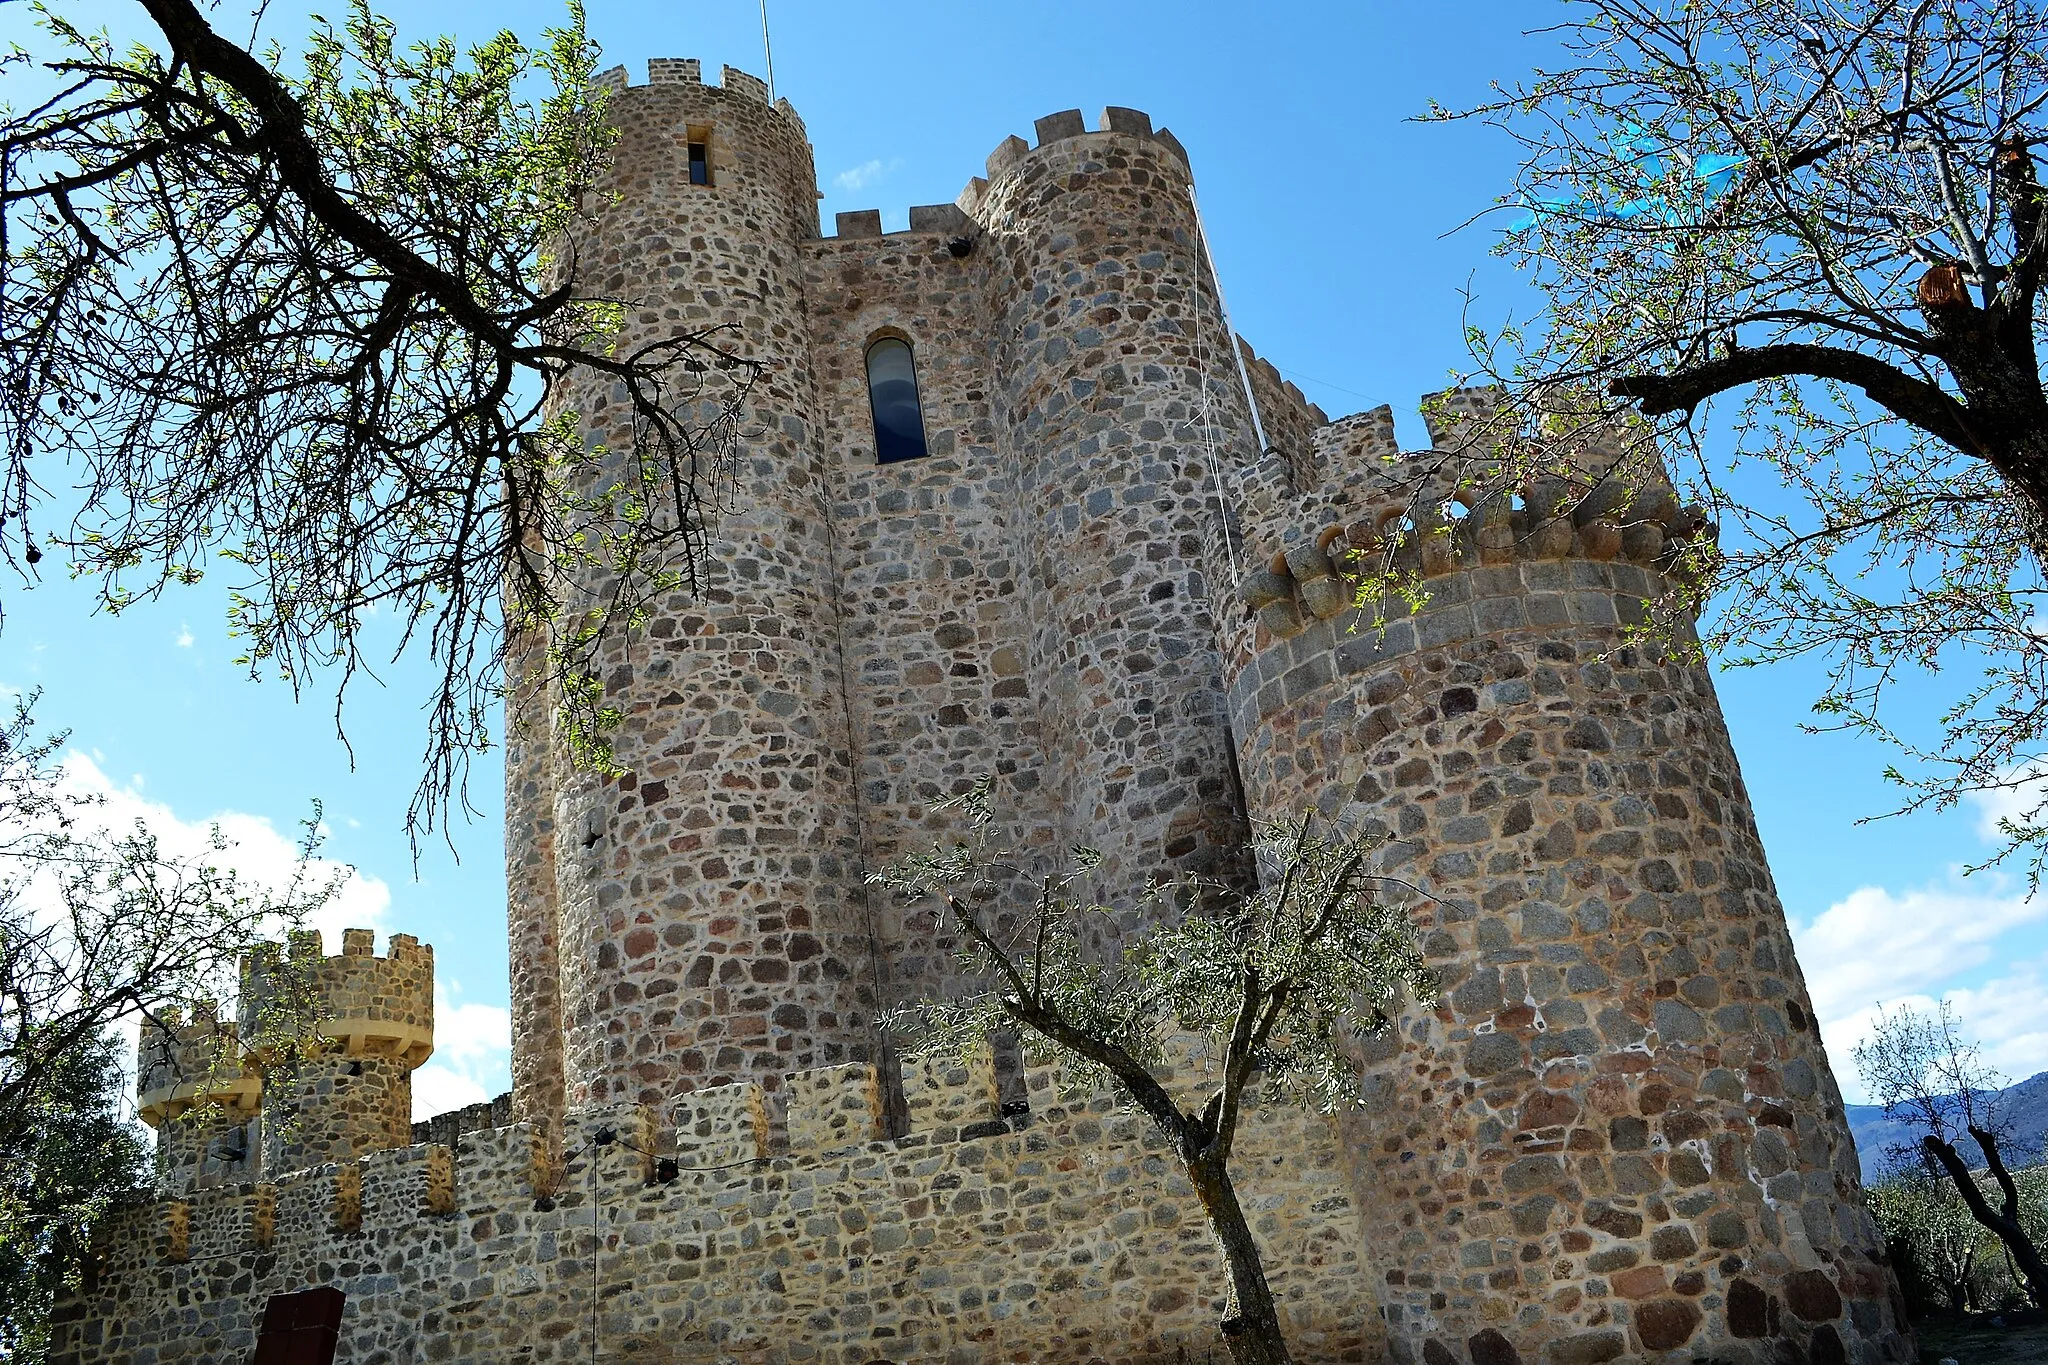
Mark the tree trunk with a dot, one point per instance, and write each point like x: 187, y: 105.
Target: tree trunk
x: 2007, y: 1228
x: 1251, y: 1323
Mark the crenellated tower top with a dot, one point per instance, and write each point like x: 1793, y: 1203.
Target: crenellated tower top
x: 184, y: 1065
x: 355, y: 1025
x: 359, y: 1003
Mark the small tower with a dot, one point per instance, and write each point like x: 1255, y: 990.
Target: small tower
x: 357, y: 1025
x: 201, y: 1092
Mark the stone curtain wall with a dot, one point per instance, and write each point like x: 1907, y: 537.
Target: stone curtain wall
x: 1617, y: 1135
x: 1057, y: 1236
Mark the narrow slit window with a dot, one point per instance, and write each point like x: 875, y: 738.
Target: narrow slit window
x: 892, y: 397
x: 700, y: 156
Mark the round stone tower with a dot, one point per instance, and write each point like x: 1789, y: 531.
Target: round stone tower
x: 1617, y: 1135
x: 360, y: 1024
x: 712, y: 922
x: 1106, y: 324
x: 201, y: 1093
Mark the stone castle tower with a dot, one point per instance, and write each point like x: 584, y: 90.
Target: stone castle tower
x: 1096, y: 547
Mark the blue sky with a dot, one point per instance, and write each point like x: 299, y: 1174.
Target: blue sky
x: 1335, y: 223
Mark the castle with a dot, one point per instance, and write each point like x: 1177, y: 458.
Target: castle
x: 1014, y: 500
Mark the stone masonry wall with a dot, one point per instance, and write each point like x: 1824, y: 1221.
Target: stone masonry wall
x: 1057, y: 1236
x: 1617, y: 1135
x: 933, y: 624
x: 532, y: 916
x: 1290, y: 420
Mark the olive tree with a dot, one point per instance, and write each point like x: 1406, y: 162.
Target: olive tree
x: 1927, y: 1075
x: 1930, y: 1230
x: 1801, y: 244
x: 1277, y: 982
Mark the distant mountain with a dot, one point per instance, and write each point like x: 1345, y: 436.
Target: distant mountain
x: 2024, y: 1107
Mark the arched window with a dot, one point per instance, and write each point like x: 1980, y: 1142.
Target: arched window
x: 892, y: 397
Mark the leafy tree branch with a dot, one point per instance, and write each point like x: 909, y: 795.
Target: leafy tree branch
x: 307, y: 326
x: 1798, y: 248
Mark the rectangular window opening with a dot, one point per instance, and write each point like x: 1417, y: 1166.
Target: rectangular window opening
x: 700, y: 156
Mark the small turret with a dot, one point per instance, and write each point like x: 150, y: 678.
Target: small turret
x: 338, y: 1038
x: 200, y: 1091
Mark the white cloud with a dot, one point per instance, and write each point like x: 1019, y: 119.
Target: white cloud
x: 184, y: 636
x: 1877, y: 944
x: 2006, y: 1017
x: 2003, y: 1016
x: 472, y: 1055
x: 866, y: 174
x: 258, y: 850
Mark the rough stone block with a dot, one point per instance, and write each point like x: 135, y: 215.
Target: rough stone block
x: 859, y: 223
x: 1066, y: 123
x: 947, y: 1093
x: 173, y: 1241
x: 317, y: 1203
x: 1117, y: 119
x: 722, y: 1125
x: 674, y: 71
x: 936, y: 218
x: 232, y: 1221
x: 404, y: 1184
x: 834, y: 1107
x: 1008, y: 153
x: 1054, y: 1090
x: 738, y: 82
x: 608, y: 1145
x: 499, y: 1167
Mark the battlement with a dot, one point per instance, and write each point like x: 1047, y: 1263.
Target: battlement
x: 958, y: 216
x: 924, y: 219
x: 182, y: 1065
x: 722, y: 1133
x: 362, y: 1004
x: 689, y: 71
x: 907, y: 1248
x: 1437, y: 515
x: 1060, y: 127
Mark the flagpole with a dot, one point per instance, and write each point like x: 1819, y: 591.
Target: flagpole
x: 767, y: 51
